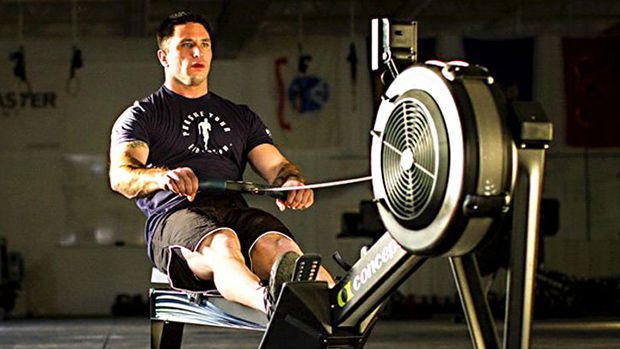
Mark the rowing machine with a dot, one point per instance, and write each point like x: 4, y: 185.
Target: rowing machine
x: 449, y: 157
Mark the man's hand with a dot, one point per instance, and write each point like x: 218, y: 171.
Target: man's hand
x: 182, y: 181
x: 296, y: 199
x: 267, y: 161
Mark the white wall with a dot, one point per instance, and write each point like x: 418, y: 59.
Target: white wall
x: 48, y: 197
x: 45, y: 199
x: 57, y: 193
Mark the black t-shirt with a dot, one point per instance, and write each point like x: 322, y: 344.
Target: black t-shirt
x: 210, y: 134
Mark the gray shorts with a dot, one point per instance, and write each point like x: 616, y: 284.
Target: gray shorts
x: 189, y: 226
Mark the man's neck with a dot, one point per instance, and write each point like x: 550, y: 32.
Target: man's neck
x: 187, y: 91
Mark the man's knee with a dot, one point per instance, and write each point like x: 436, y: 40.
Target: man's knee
x: 275, y: 243
x: 222, y: 243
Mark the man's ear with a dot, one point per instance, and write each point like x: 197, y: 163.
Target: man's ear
x: 163, y: 58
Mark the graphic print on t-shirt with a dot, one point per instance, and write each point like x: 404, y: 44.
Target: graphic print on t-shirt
x: 206, y: 126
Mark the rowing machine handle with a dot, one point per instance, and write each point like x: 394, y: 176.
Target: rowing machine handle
x: 241, y: 187
x: 212, y: 185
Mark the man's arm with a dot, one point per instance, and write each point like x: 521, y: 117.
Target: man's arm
x: 130, y: 177
x: 269, y: 163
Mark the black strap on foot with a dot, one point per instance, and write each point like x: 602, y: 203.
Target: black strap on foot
x: 307, y: 267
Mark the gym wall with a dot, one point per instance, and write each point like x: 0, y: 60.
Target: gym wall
x: 83, y: 244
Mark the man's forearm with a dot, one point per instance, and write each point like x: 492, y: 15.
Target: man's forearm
x: 136, y: 181
x: 285, y: 171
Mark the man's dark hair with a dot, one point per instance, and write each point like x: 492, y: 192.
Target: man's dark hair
x: 166, y: 28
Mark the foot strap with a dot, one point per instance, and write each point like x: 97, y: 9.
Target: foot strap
x: 307, y: 267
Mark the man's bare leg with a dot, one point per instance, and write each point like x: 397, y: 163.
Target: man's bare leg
x: 271, y: 245
x: 219, y: 258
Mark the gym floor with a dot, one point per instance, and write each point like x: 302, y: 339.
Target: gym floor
x: 117, y: 333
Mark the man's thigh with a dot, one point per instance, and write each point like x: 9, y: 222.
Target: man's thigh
x: 186, y: 228
x: 251, y: 223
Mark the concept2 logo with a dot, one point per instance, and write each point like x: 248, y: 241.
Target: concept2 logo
x: 344, y: 295
x: 359, y: 278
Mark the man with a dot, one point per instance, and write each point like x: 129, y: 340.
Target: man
x: 158, y: 155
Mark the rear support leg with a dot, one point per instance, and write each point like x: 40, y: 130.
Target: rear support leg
x: 166, y: 334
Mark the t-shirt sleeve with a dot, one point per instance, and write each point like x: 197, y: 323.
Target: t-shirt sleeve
x: 258, y: 133
x: 131, y: 125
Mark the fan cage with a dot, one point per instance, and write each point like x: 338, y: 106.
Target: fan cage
x: 410, y: 159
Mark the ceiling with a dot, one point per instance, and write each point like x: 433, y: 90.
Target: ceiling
x: 236, y: 21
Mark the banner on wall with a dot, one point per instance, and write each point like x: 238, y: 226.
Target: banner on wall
x: 13, y: 101
x: 308, y: 110
x: 591, y: 75
x: 510, y: 62
x: 26, y: 118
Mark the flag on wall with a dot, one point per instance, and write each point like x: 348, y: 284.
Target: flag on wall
x: 510, y: 62
x: 309, y: 94
x: 319, y: 108
x: 591, y: 75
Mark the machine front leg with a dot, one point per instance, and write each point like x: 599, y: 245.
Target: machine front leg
x: 475, y: 305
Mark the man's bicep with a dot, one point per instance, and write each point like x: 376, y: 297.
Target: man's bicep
x: 133, y: 153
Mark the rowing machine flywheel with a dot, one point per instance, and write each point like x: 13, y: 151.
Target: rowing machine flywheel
x: 442, y: 158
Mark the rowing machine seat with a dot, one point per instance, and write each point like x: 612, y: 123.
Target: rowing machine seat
x: 203, y: 308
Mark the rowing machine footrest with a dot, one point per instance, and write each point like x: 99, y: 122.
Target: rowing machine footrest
x: 302, y: 313
x: 303, y: 318
x: 307, y: 267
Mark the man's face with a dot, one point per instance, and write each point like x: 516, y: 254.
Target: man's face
x: 186, y: 55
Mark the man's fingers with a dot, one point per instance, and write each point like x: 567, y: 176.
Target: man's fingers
x: 300, y: 199
x: 194, y: 187
x: 182, y: 181
x: 293, y: 199
x: 173, y: 187
x: 171, y: 184
x: 190, y: 183
x: 308, y: 198
x: 281, y: 205
x: 290, y: 198
x: 185, y: 184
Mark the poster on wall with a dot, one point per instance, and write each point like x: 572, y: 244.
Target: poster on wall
x: 30, y: 103
x: 26, y: 116
x: 591, y: 75
x: 308, y: 99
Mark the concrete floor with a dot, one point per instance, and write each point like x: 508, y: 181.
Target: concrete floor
x: 117, y: 333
